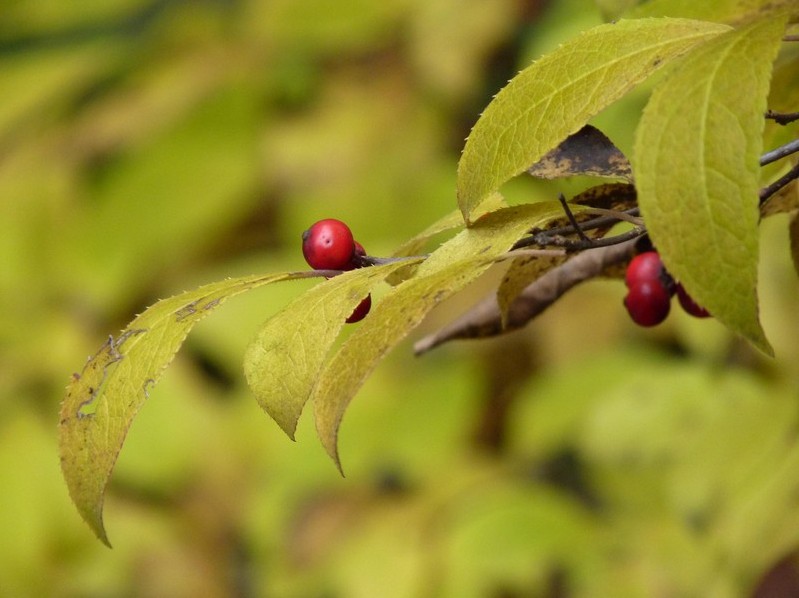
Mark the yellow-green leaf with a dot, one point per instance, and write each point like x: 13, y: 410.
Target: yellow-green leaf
x: 455, y: 264
x: 697, y: 152
x: 557, y: 94
x: 451, y: 221
x: 282, y: 362
x: 103, y: 399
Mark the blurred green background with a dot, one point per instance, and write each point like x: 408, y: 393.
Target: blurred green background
x: 147, y: 147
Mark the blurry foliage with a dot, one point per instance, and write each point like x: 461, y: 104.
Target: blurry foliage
x: 148, y: 147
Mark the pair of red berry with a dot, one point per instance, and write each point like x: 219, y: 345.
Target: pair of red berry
x: 651, y: 288
x: 329, y: 245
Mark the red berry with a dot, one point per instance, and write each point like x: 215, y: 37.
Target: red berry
x: 689, y: 305
x: 329, y: 245
x: 645, y: 267
x: 648, y: 302
x: 359, y: 313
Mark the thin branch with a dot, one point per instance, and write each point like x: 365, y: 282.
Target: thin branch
x: 485, y: 318
x: 782, y: 118
x: 580, y: 245
x: 630, y: 215
x: 545, y: 237
x: 592, y: 224
x: 572, y: 245
x: 514, y: 253
x: 781, y: 152
x: 572, y: 219
x: 781, y: 182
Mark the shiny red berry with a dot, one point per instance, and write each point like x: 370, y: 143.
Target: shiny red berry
x: 644, y: 267
x: 359, y: 313
x: 689, y: 305
x: 648, y: 302
x: 329, y: 245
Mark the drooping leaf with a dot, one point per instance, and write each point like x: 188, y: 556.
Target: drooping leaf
x: 587, y: 152
x: 697, y: 152
x: 103, y: 399
x: 455, y: 264
x: 557, y: 94
x: 282, y: 362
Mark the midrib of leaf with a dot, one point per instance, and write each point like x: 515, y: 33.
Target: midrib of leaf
x: 703, y: 148
x: 305, y: 329
x: 698, y: 187
x: 494, y: 153
x: 575, y: 82
x: 103, y: 400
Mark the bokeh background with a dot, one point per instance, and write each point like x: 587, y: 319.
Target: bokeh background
x: 149, y: 146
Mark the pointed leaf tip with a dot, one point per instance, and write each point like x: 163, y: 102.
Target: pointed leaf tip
x: 697, y: 151
x: 102, y: 401
x: 283, y: 361
x: 455, y: 264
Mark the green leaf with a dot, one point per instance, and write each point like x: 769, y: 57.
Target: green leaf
x: 103, y: 399
x: 456, y: 263
x: 451, y: 221
x: 557, y: 94
x: 697, y: 152
x: 283, y: 361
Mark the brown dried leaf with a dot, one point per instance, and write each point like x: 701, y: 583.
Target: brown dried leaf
x: 586, y: 152
x: 521, y: 273
x: 485, y: 319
